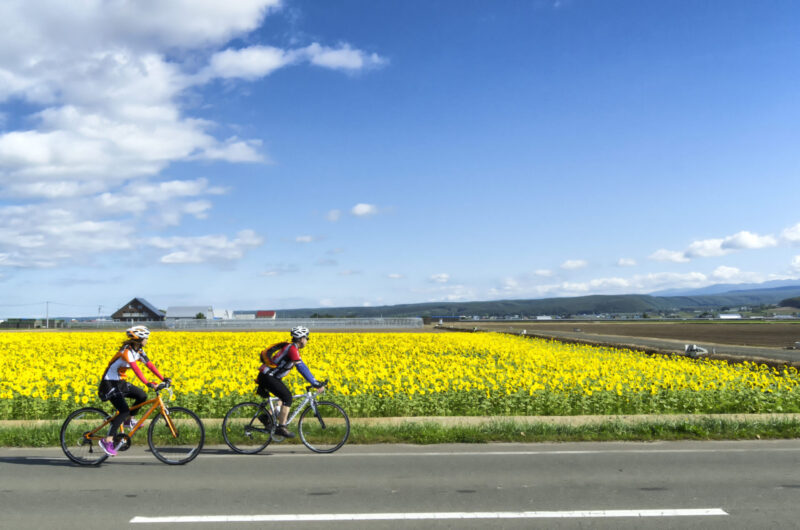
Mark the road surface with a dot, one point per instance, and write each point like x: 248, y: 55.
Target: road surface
x: 724, y: 485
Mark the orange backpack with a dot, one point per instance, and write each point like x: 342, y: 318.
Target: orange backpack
x: 267, y: 355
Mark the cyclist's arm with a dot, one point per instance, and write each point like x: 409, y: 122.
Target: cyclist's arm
x: 306, y: 373
x: 149, y: 364
x: 138, y: 371
x: 153, y: 369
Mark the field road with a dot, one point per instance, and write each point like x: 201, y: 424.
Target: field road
x: 726, y: 485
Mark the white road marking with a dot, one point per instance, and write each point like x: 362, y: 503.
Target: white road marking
x: 688, y: 512
x: 302, y: 453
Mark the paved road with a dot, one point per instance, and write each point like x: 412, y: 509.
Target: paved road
x: 724, y: 485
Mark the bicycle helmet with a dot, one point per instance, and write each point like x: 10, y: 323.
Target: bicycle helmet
x: 138, y: 332
x: 298, y: 332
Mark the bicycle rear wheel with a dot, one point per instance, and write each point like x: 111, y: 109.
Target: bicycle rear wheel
x: 184, y: 445
x: 78, y: 441
x: 247, y: 427
x: 326, y: 430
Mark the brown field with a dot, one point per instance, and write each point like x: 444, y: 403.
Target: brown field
x: 769, y: 334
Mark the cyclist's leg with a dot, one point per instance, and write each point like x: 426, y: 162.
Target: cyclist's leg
x: 139, y: 396
x: 124, y: 411
x: 279, y: 390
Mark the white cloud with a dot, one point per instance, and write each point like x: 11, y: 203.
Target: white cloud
x: 714, y: 247
x: 641, y: 283
x: 450, y: 293
x: 395, y: 276
x: 748, y: 240
x: 668, y: 255
x: 203, y: 249
x: 281, y: 269
x: 43, y: 236
x: 342, y: 58
x: 796, y: 263
x: 792, y: 234
x: 705, y: 249
x: 103, y: 85
x: 442, y: 277
x: 543, y: 272
x: 349, y: 272
x: 333, y: 215
x: 574, y: 264
x: 364, y: 210
x: 247, y: 63
x: 304, y: 239
x: 255, y: 62
x: 626, y: 262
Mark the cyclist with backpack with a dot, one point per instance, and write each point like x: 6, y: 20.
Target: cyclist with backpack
x: 277, y: 361
x: 114, y: 388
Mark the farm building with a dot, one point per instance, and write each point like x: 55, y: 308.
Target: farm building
x: 223, y: 314
x: 730, y: 316
x: 138, y: 310
x: 252, y: 315
x: 189, y: 312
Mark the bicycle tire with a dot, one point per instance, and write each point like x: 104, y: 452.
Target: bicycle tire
x: 78, y: 448
x: 327, y: 430
x: 180, y: 449
x: 244, y: 432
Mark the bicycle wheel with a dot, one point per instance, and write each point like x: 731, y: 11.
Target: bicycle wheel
x: 76, y: 441
x: 247, y: 427
x: 327, y: 430
x: 185, y: 444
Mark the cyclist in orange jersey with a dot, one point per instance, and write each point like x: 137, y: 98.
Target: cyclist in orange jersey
x: 114, y: 388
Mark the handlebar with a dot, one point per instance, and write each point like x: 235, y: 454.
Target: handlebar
x: 323, y: 384
x: 164, y: 385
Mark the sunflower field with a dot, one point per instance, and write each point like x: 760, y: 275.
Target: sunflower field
x: 47, y: 374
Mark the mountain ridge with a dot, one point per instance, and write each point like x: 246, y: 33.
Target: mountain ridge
x: 591, y: 304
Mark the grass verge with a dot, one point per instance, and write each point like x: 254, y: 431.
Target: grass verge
x: 46, y: 434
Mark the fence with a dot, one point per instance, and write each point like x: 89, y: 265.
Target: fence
x: 278, y: 324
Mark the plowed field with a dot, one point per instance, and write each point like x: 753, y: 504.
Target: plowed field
x: 759, y: 334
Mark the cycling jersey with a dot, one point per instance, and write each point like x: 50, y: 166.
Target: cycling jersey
x: 125, y: 358
x: 285, y: 360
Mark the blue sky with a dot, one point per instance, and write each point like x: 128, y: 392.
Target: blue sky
x: 266, y: 154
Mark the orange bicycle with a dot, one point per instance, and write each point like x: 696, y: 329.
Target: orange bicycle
x: 175, y: 435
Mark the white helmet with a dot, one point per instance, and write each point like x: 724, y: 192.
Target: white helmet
x: 138, y: 332
x: 298, y: 332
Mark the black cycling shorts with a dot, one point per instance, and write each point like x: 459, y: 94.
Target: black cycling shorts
x: 275, y: 387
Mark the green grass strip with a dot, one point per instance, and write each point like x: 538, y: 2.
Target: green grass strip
x: 46, y: 434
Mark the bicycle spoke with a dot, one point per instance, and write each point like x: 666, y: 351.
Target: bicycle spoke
x: 76, y: 441
x: 326, y: 430
x: 184, y: 444
x: 246, y: 428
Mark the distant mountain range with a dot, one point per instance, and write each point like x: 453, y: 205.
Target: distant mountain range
x: 707, y: 299
x: 720, y: 288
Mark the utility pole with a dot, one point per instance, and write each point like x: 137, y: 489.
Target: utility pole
x: 47, y: 315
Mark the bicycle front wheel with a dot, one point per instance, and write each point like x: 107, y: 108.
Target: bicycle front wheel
x: 325, y: 430
x: 247, y: 427
x: 81, y: 435
x: 181, y: 446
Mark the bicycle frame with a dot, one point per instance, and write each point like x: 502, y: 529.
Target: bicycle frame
x: 308, y: 397
x: 156, y: 402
